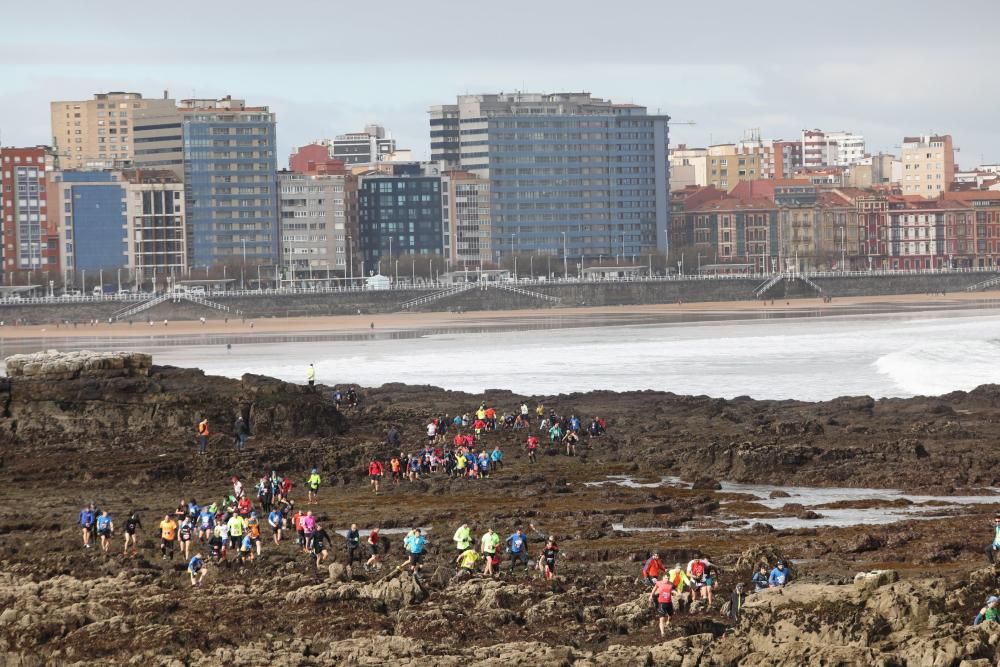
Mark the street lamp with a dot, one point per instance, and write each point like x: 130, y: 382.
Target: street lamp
x: 512, y: 255
x: 565, y: 261
x: 350, y: 258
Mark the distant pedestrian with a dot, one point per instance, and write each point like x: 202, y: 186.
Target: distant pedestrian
x: 240, y: 434
x: 203, y: 435
x: 311, y: 378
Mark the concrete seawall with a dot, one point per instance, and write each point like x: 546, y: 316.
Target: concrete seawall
x: 495, y: 298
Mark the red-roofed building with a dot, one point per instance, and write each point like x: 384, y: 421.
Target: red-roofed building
x: 30, y: 235
x: 315, y: 160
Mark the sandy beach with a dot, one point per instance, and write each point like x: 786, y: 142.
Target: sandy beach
x: 407, y: 321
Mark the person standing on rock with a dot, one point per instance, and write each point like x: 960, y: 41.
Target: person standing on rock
x: 662, y: 595
x: 311, y: 378
x: 994, y: 545
x: 202, y: 435
x: 88, y: 515
x: 701, y: 582
x: 759, y: 579
x: 240, y: 434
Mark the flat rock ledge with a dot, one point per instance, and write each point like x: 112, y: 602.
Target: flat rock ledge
x: 55, y: 365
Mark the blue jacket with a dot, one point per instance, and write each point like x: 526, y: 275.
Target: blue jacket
x: 86, y: 517
x: 517, y: 543
x: 778, y: 577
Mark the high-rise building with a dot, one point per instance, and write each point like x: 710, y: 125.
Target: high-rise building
x: 29, y: 235
x: 229, y: 180
x: 928, y: 165
x: 313, y: 222
x: 831, y: 149
x: 159, y: 139
x: 468, y: 235
x: 787, y: 158
x: 399, y: 215
x: 90, y: 207
x: 570, y: 174
x: 98, y: 133
x: 131, y: 220
x: 367, y: 147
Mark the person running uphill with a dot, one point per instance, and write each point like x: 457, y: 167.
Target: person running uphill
x: 462, y: 538
x: 652, y: 570
x: 168, y: 536
x: 549, y: 555
x: 415, y: 545
x: 489, y: 543
x: 132, y: 524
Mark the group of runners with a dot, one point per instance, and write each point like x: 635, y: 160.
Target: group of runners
x: 673, y: 589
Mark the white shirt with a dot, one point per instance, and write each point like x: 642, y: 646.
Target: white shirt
x: 432, y: 429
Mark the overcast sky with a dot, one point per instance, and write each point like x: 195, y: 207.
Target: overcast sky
x: 883, y: 68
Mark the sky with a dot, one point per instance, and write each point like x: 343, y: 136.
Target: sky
x: 882, y: 68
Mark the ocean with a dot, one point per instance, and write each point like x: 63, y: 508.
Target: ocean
x: 808, y: 358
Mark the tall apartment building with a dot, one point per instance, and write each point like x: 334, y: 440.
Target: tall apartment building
x: 98, y: 133
x: 90, y: 208
x: 399, y: 215
x: 787, y: 158
x: 569, y: 173
x: 229, y: 158
x: 28, y: 233
x: 928, y: 164
x: 313, y: 222
x: 468, y: 234
x: 367, y: 147
x: 159, y: 139
x: 831, y: 149
x: 110, y: 220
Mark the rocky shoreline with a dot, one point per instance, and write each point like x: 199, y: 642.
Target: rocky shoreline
x: 125, y: 441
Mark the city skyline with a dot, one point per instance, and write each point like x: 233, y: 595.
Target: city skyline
x: 727, y: 76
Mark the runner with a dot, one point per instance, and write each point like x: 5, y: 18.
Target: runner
x: 532, y: 449
x: 353, y: 545
x: 168, y: 535
x: 397, y: 470
x: 318, y: 542
x: 105, y: 528
x: 185, y: 532
x: 662, y: 594
x: 415, y: 544
x: 202, y: 432
x: 373, y: 557
x: 246, y: 548
x: 308, y: 529
x: 131, y: 525
x: 375, y: 471
x: 548, y: 559
x: 206, y: 522
x: 276, y: 521
x: 653, y: 568
x: 496, y: 458
x: 197, y: 569
x: 462, y: 538
x: 253, y: 531
x: 698, y: 575
x: 88, y: 515
x: 312, y: 484
x: 570, y: 440
x: 466, y: 562
x: 489, y: 543
x: 518, y: 546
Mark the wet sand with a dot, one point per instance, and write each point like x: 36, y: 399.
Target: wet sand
x: 568, y: 317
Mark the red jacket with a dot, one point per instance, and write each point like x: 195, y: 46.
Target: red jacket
x: 375, y: 468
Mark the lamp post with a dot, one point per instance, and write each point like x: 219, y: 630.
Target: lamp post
x: 119, y: 279
x: 565, y: 261
x: 350, y: 259
x: 397, y: 273
x: 513, y: 256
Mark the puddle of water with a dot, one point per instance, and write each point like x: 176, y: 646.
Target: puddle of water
x: 811, y: 497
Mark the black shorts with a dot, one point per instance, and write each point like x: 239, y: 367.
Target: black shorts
x: 104, y: 532
x: 374, y: 478
x: 551, y: 564
x: 416, y: 558
x: 168, y: 544
x: 318, y: 549
x: 665, y: 609
x: 373, y: 549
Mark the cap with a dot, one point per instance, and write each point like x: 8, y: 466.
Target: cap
x: 781, y: 562
x: 992, y: 599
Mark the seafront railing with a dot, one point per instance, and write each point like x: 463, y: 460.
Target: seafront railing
x: 430, y: 287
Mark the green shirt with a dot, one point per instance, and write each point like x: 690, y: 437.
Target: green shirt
x: 463, y: 538
x: 490, y: 542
